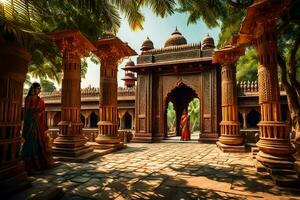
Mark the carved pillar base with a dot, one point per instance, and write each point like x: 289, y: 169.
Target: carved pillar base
x: 108, y: 136
x: 230, y: 148
x: 142, y: 138
x: 274, y: 152
x: 71, y: 148
x: 231, y: 139
x: 106, y: 142
x: 230, y: 133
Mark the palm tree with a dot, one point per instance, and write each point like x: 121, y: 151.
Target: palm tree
x: 27, y: 22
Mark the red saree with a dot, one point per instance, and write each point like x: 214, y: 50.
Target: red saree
x: 36, y: 150
x: 185, y: 127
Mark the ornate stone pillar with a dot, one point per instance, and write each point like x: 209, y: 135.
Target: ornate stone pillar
x: 70, y: 144
x: 110, y: 50
x: 275, y: 148
x: 13, y: 69
x: 230, y: 139
x: 108, y: 121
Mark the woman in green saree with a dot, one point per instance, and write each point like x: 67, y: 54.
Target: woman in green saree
x: 36, y: 150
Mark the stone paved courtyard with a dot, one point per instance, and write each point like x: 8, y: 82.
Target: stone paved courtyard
x: 165, y: 171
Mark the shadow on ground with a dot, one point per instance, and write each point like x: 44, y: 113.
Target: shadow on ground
x: 87, y: 181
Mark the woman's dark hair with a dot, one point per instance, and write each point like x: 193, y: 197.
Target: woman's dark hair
x: 32, y: 87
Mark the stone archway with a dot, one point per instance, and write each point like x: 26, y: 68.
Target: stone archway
x: 241, y: 119
x: 127, y: 121
x: 93, y: 120
x: 252, y: 119
x: 82, y: 118
x: 56, y: 119
x: 180, y: 96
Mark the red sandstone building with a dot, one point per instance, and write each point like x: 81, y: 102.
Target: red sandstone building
x: 176, y: 59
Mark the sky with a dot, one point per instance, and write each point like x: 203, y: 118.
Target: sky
x: 158, y: 30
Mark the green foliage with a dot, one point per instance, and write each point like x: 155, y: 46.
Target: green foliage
x: 28, y: 22
x: 209, y: 11
x: 194, y: 113
x: 231, y: 22
x: 171, y: 117
x: 247, y: 66
x: 47, y: 86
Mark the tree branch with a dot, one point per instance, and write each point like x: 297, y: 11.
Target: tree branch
x: 292, y: 66
x: 290, y: 91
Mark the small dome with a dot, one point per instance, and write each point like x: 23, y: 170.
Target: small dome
x: 208, y: 42
x: 129, y: 63
x: 147, y: 45
x: 175, y: 39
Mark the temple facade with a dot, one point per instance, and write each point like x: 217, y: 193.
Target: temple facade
x: 177, y: 73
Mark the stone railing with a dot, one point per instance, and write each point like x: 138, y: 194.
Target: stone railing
x: 245, y: 88
x: 250, y: 88
x: 126, y: 91
x: 173, y: 48
x: 89, y: 92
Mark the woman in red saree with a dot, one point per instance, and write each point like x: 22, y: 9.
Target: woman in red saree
x: 36, y: 150
x: 185, y: 126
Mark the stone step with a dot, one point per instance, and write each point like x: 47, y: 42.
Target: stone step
x: 17, y: 187
x: 282, y: 172
x: 17, y: 178
x: 286, y: 180
x: 79, y: 159
x: 39, y: 192
x: 71, y: 152
x: 117, y: 146
x: 254, y: 151
x: 10, y: 171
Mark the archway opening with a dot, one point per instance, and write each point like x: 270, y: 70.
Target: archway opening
x: 56, y: 119
x: 93, y: 120
x: 178, y: 100
x: 241, y: 120
x: 82, y: 118
x: 127, y: 121
x: 253, y: 118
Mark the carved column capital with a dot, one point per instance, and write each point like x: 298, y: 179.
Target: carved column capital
x: 228, y: 55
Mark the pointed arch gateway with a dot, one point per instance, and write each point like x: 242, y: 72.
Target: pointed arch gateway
x: 180, y: 96
x: 176, y: 74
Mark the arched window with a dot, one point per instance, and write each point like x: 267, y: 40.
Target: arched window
x: 127, y: 120
x: 253, y: 118
x: 93, y: 120
x: 82, y: 118
x: 56, y: 119
x: 241, y: 120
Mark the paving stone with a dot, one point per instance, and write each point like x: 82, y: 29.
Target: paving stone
x: 80, y: 179
x: 165, y: 171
